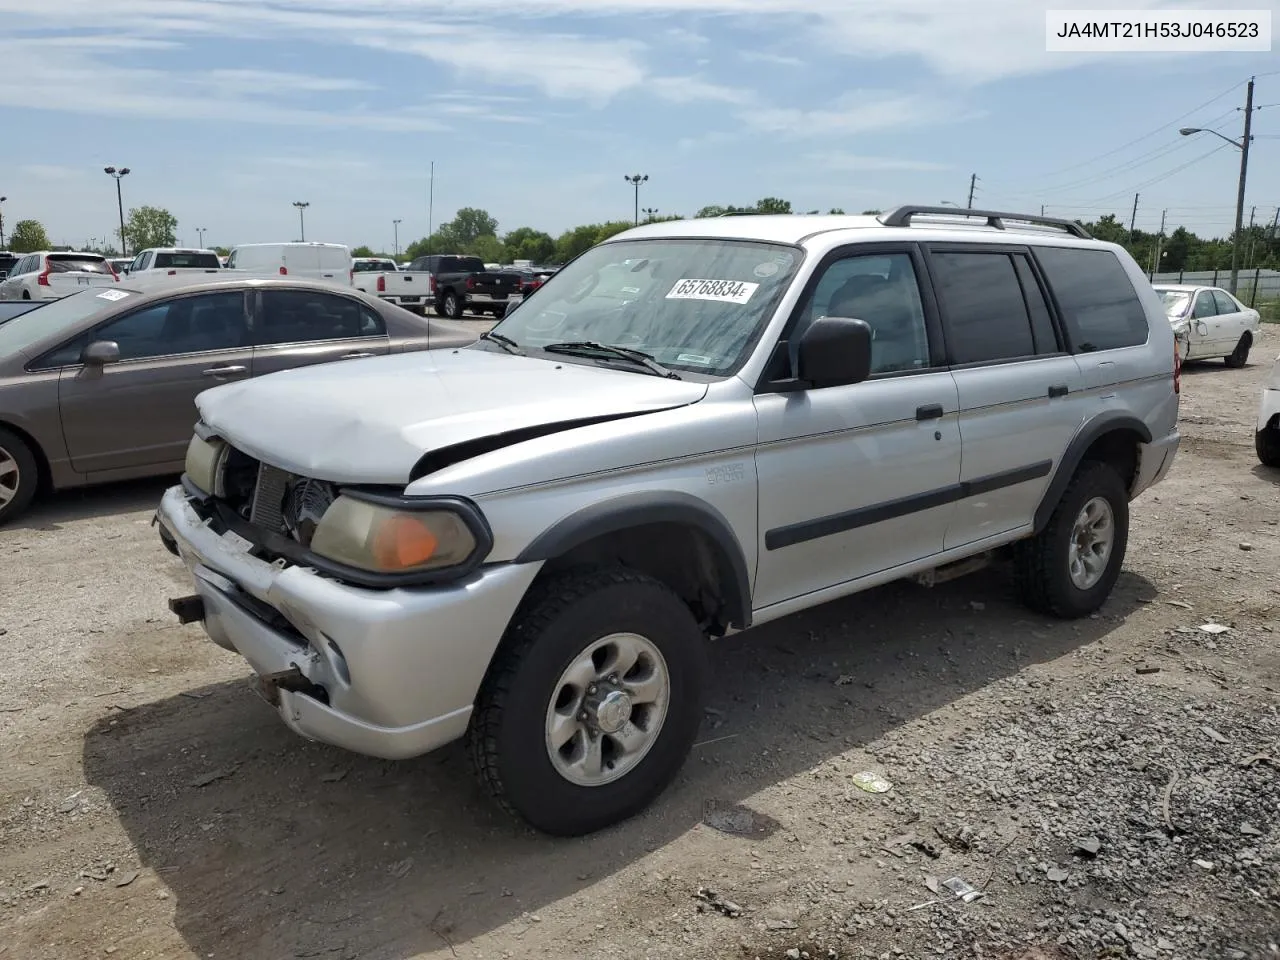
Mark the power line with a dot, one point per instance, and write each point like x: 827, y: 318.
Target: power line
x: 1167, y: 173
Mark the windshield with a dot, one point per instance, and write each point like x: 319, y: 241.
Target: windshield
x: 691, y: 304
x: 205, y: 261
x: 1175, y: 302
x: 58, y: 315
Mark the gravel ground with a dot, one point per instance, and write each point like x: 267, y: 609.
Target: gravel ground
x: 1109, y: 787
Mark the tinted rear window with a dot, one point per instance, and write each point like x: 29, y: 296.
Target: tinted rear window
x: 1099, y: 303
x: 470, y: 265
x: 203, y: 261
x: 65, y: 263
x: 983, y: 304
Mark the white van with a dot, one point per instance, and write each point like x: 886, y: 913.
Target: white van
x: 312, y: 261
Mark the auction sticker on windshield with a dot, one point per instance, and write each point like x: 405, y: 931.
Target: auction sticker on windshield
x: 721, y: 291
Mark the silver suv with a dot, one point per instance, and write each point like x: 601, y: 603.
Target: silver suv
x: 694, y: 428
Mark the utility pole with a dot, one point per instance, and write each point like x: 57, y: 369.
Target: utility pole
x: 973, y: 182
x: 118, y: 175
x: 1155, y: 263
x: 1133, y: 219
x: 431, y: 205
x: 1042, y: 209
x: 200, y: 231
x: 1275, y: 226
x: 395, y: 225
x: 1244, y: 171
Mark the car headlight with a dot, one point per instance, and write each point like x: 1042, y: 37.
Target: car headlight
x: 382, y: 538
x: 204, y: 463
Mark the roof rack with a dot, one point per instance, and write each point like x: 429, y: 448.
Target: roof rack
x: 901, y: 217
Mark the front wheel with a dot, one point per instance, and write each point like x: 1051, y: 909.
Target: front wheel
x: 1240, y: 355
x: 592, y: 702
x: 1068, y: 569
x: 1267, y: 443
x: 19, y: 475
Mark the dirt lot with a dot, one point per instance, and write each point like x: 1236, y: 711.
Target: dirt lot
x: 151, y: 806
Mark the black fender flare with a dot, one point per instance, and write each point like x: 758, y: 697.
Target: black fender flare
x: 1100, y: 425
x: 641, y: 509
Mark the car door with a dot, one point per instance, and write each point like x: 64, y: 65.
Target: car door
x: 1232, y: 321
x: 296, y: 328
x: 854, y: 480
x: 139, y: 411
x: 1203, y: 328
x: 1020, y: 391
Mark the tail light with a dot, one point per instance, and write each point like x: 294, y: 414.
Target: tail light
x: 382, y: 284
x: 471, y: 283
x: 43, y: 278
x: 351, y: 276
x: 1177, y: 367
x: 433, y: 283
x: 173, y: 273
x: 284, y: 271
x: 112, y: 267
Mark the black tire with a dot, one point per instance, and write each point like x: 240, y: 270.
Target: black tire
x: 26, y: 294
x: 17, y: 491
x: 1240, y: 355
x: 453, y: 306
x: 438, y: 306
x: 1267, y: 443
x: 553, y: 627
x: 1042, y: 563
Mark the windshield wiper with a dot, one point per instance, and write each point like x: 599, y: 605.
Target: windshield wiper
x: 587, y: 348
x: 505, y: 342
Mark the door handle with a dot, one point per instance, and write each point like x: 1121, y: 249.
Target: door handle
x: 228, y: 371
x: 1058, y: 390
x: 356, y: 355
x: 930, y: 411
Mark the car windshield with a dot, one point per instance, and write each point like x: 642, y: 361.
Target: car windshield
x: 690, y: 304
x: 1175, y: 302
x: 57, y: 316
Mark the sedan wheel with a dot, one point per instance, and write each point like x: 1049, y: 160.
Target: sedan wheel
x: 18, y: 475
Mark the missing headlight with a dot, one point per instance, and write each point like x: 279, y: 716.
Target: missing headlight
x: 305, y: 502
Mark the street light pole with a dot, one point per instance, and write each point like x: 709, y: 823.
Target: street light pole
x: 119, y: 175
x: 649, y: 213
x: 302, y: 226
x: 200, y: 233
x: 635, y: 179
x: 2, y: 200
x: 1243, y: 146
x: 395, y: 225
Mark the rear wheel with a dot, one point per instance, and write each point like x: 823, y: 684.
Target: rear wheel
x: 1267, y: 442
x: 592, y: 703
x: 26, y: 294
x: 1069, y: 568
x: 1240, y: 355
x: 452, y: 306
x: 19, y: 475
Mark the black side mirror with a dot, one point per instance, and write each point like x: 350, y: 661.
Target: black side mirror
x: 834, y: 352
x: 99, y: 353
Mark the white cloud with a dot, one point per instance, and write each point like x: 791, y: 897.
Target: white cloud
x: 777, y: 59
x: 695, y: 90
x: 256, y: 80
x: 854, y: 163
x: 853, y: 113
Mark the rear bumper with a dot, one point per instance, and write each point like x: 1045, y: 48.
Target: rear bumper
x: 1156, y: 461
x: 388, y: 673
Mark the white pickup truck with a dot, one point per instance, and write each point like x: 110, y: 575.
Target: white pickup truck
x: 382, y: 278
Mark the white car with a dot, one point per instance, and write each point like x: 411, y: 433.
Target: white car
x: 174, y: 261
x: 1209, y: 322
x: 1267, y: 438
x: 48, y: 275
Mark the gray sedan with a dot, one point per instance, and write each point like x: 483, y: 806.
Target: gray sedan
x: 100, y: 385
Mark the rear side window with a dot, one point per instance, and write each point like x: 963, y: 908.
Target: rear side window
x: 982, y: 302
x: 203, y: 261
x: 1099, y: 304
x: 1224, y: 302
x: 470, y: 265
x: 62, y: 263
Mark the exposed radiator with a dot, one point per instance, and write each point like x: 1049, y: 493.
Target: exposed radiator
x: 268, y: 498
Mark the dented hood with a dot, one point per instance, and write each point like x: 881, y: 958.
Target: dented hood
x: 370, y: 421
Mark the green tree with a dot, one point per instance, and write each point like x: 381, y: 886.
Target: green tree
x: 773, y: 205
x: 872, y: 213
x: 1108, y: 228
x: 715, y: 210
x: 150, y: 227
x: 837, y: 211
x: 222, y: 251
x: 573, y: 242
x: 488, y: 248
x: 363, y: 251
x: 28, y: 236
x: 468, y: 225
x: 526, y: 243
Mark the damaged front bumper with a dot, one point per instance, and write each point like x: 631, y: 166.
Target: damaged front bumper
x: 388, y: 673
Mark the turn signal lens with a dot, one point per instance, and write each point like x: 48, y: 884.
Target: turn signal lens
x: 386, y: 539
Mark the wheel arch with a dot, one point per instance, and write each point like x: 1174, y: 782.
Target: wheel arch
x: 44, y: 473
x: 1111, y: 438
x: 646, y: 531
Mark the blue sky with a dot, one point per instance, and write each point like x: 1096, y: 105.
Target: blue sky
x: 226, y: 111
